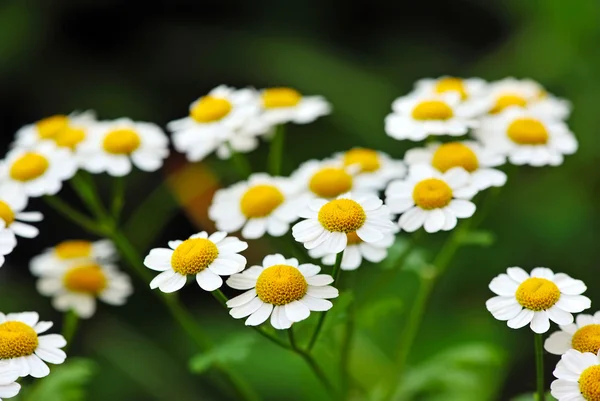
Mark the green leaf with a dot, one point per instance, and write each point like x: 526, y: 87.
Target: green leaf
x: 477, y: 237
x: 234, y: 349
x: 532, y: 397
x: 378, y: 309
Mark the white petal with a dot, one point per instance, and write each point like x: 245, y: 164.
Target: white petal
x: 503, y: 308
x: 316, y: 304
x: 272, y: 260
x: 31, y: 217
x: 241, y: 281
x: 462, y: 208
x: 517, y: 274
x: 246, y: 309
x: 225, y: 265
x: 209, y: 281
x: 320, y: 280
x: 521, y: 320
x: 168, y: 281
x: 42, y: 327
x: 254, y: 228
x: 29, y: 318
x: 296, y: 311
x: 309, y: 270
x: 435, y: 221
x: 559, y: 316
x: 504, y: 285
x: 542, y: 272
x: 260, y: 316
x: 412, y: 220
x: 584, y: 320
x: 569, y: 286
x: 540, y: 322
x: 9, y: 390
x: 159, y: 259
x: 51, y: 355
x: 37, y: 368
x: 573, y: 303
x: 326, y: 292
x: 242, y: 299
x: 368, y: 233
x: 558, y: 343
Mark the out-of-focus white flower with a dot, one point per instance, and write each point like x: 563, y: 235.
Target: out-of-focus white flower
x: 373, y: 169
x: 583, y: 335
x: 284, y: 105
x: 466, y: 88
x: 70, y: 251
x: 13, y: 202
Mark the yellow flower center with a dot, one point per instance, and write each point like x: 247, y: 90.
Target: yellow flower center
x: 330, y: 182
x: 280, y: 97
x: 69, y: 137
x: 527, y: 131
x: 6, y: 213
x: 451, y: 85
x: 508, y: 100
x: 49, y: 127
x: 193, y: 256
x: 589, y: 383
x: 260, y: 201
x: 342, y: 215
x: 121, y: 141
x: 73, y: 249
x: 29, y: 167
x: 587, y: 339
x: 89, y: 279
x: 537, y: 294
x: 367, y: 159
x: 432, y: 110
x: 353, y: 238
x: 17, y: 339
x: 281, y: 285
x: 454, y: 154
x: 432, y: 193
x: 210, y: 109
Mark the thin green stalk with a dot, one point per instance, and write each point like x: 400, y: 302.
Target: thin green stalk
x: 241, y: 163
x: 346, y: 348
x: 70, y: 324
x: 75, y: 216
x: 275, y: 157
x: 83, y: 184
x: 118, y: 197
x: 539, y: 364
x: 311, y: 362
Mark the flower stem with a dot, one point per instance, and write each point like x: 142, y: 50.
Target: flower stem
x: 241, y: 164
x: 311, y: 362
x: 275, y: 157
x: 70, y: 324
x: 75, y: 216
x: 83, y: 184
x: 118, y: 197
x: 539, y: 364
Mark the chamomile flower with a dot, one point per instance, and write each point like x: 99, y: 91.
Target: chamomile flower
x: 416, y: 116
x: 206, y: 257
x: 583, y: 336
x: 8, y: 242
x: 66, y: 131
x: 477, y: 160
x: 467, y: 88
x: 283, y: 105
x: 66, y: 252
x: 281, y: 289
x: 113, y: 146
x: 21, y: 342
x: 12, y: 203
x: 9, y: 373
x: 431, y: 199
x: 578, y: 375
x: 528, y: 137
x: 262, y: 204
x: 39, y: 170
x: 536, y: 299
x: 373, y: 169
x: 226, y: 119
x: 328, y: 223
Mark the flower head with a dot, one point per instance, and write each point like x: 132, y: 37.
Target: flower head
x: 578, y: 375
x: 536, y: 299
x: 283, y: 105
x: 371, y: 168
x: 13, y: 202
x: 583, y: 336
x: 67, y: 252
x: 281, y: 289
x: 466, y: 88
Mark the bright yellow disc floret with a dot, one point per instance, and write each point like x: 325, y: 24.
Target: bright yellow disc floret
x: 353, y: 238
x: 432, y: 193
x: 342, y: 215
x: 193, y: 256
x: 49, y: 127
x: 121, y: 141
x: 280, y: 97
x: 450, y: 84
x: 587, y: 339
x: 281, y: 285
x: 589, y: 383
x: 537, y: 294
x: 29, y: 166
x: 73, y: 249
x: 70, y: 137
x: 367, y: 159
x: 454, y: 154
x: 330, y: 182
x: 17, y: 339
x: 210, y: 109
x: 432, y: 110
x: 88, y: 279
x: 527, y: 131
x: 508, y: 100
x: 260, y: 201
x: 6, y: 213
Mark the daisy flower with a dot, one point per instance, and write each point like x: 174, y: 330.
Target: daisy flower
x: 583, y: 336
x: 328, y: 223
x: 8, y: 242
x: 207, y: 258
x: 21, y: 342
x: 12, y: 203
x: 39, y: 170
x: 430, y: 199
x: 578, y: 375
x: 281, y: 289
x: 226, y: 119
x: 417, y: 116
x: 474, y: 158
x: 528, y: 137
x: 510, y: 92
x: 468, y: 88
x: 77, y: 286
x: 9, y: 373
x: 66, y: 252
x: 536, y: 299
x: 356, y: 251
x: 65, y: 131
x: 112, y: 147
x: 262, y: 204
x: 283, y: 105
x: 373, y: 169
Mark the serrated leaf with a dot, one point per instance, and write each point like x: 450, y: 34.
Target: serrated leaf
x: 477, y: 237
x: 235, y: 349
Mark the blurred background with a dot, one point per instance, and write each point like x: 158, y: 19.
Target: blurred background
x: 149, y: 61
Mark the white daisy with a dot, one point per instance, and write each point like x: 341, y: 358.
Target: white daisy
x: 430, y: 199
x: 21, y: 342
x: 9, y: 373
x: 69, y: 251
x: 281, y: 289
x: 208, y: 258
x: 477, y: 160
x: 65, y: 131
x: 112, y: 147
x: 12, y: 203
x: 328, y: 222
x: 283, y: 105
x: 356, y: 251
x: 226, y: 119
x: 536, y: 299
x: 76, y: 286
x: 39, y: 170
x: 578, y: 377
x: 373, y: 169
x: 262, y: 204
x: 583, y: 336
x: 8, y: 242
x: 467, y: 88
x: 417, y: 116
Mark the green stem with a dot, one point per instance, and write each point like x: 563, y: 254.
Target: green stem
x: 539, y: 364
x: 241, y: 163
x: 346, y: 347
x: 311, y: 362
x: 70, y: 324
x: 75, y: 216
x: 275, y: 157
x: 118, y: 197
x: 83, y: 184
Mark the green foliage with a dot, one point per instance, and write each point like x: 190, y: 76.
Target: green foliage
x: 477, y: 237
x: 532, y: 397
x: 234, y: 349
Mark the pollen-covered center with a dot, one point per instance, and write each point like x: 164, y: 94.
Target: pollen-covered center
x: 367, y: 159
x: 587, y: 339
x: 29, y: 167
x: 88, y: 279
x: 73, y: 249
x: 261, y: 200
x: 193, y: 256
x: 121, y: 141
x: 451, y: 84
x: 342, y: 215
x: 69, y: 137
x: 353, y: 238
x: 49, y: 127
x: 527, y: 131
x: 210, y: 109
x: 432, y: 110
x: 537, y: 294
x: 432, y: 193
x: 280, y: 97
x: 589, y: 383
x: 281, y: 285
x: 330, y: 182
x: 17, y: 339
x: 504, y: 101
x: 454, y: 154
x: 6, y: 213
